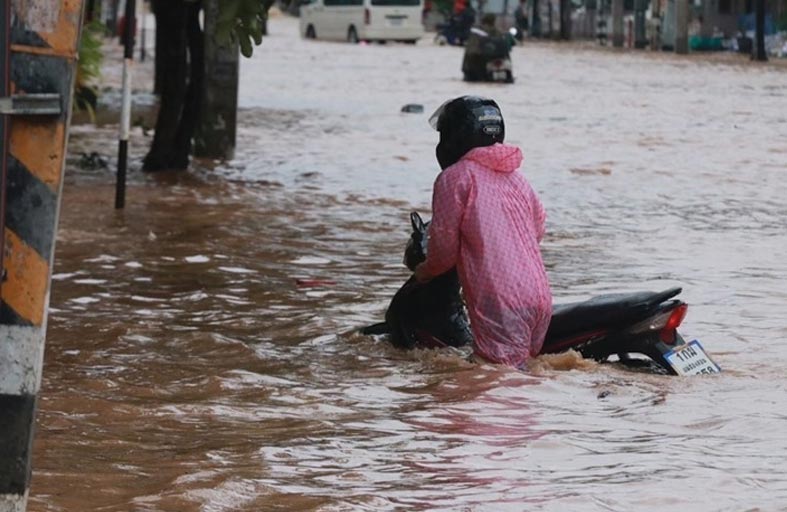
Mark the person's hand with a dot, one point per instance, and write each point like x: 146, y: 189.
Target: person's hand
x: 421, y: 274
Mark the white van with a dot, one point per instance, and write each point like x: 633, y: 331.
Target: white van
x: 362, y: 20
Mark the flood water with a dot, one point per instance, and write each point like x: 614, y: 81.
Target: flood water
x: 201, y: 353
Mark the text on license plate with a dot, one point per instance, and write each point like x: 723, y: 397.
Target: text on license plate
x: 691, y: 359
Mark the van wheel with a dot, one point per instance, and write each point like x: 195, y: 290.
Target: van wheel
x: 352, y: 36
x: 310, y: 34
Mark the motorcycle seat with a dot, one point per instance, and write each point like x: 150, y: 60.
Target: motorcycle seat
x: 604, y: 311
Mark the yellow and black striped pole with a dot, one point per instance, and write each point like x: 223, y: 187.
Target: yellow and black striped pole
x: 39, y: 46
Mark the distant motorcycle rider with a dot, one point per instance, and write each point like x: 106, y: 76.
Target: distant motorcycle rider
x: 484, y: 44
x: 488, y: 222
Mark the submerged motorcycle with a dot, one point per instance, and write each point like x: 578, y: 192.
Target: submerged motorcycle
x: 625, y: 325
x: 487, y: 58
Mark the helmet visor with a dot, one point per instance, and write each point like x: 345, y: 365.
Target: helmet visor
x: 434, y: 120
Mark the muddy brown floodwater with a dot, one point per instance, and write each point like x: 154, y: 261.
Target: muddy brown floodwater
x: 201, y: 354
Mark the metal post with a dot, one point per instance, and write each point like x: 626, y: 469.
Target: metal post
x: 640, y: 36
x: 125, y: 111
x: 681, y: 27
x: 535, y: 18
x: 565, y: 19
x: 759, y: 36
x: 617, y: 23
x: 709, y: 8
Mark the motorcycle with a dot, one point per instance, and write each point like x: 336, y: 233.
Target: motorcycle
x: 626, y: 325
x: 487, y: 57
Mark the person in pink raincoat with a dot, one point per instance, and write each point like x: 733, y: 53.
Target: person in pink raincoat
x: 487, y: 221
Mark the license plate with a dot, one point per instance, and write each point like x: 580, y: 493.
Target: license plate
x: 499, y: 75
x: 395, y: 22
x: 691, y: 359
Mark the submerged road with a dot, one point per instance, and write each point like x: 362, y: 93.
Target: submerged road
x: 201, y: 354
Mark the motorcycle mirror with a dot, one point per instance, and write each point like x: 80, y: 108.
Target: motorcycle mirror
x: 417, y: 222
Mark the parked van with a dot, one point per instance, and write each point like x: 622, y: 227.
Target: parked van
x: 362, y: 20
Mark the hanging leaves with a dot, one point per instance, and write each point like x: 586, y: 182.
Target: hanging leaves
x: 242, y: 21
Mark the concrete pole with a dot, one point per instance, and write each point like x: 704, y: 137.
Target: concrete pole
x: 43, y: 55
x: 617, y: 23
x: 681, y: 27
x: 215, y: 133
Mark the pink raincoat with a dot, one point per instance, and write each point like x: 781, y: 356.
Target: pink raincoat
x: 488, y: 222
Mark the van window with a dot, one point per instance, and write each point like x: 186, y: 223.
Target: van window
x: 335, y: 3
x: 396, y: 3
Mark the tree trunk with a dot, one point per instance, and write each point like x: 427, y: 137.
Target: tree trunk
x: 159, y: 70
x: 216, y: 131
x: 191, y: 102
x: 180, y: 47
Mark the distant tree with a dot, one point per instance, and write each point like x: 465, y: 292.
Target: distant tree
x: 180, y: 65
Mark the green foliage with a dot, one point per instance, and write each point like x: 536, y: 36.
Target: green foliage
x: 89, y: 66
x: 242, y: 21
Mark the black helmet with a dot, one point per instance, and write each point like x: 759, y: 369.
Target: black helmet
x: 465, y: 123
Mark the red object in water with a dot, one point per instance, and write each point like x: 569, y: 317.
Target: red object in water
x: 311, y: 283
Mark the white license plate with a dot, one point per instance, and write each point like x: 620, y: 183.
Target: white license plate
x: 395, y: 22
x: 499, y: 75
x: 691, y: 359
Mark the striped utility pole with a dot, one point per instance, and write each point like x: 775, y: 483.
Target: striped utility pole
x: 37, y: 62
x: 125, y: 109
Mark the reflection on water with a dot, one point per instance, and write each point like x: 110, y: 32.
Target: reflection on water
x: 202, y: 354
